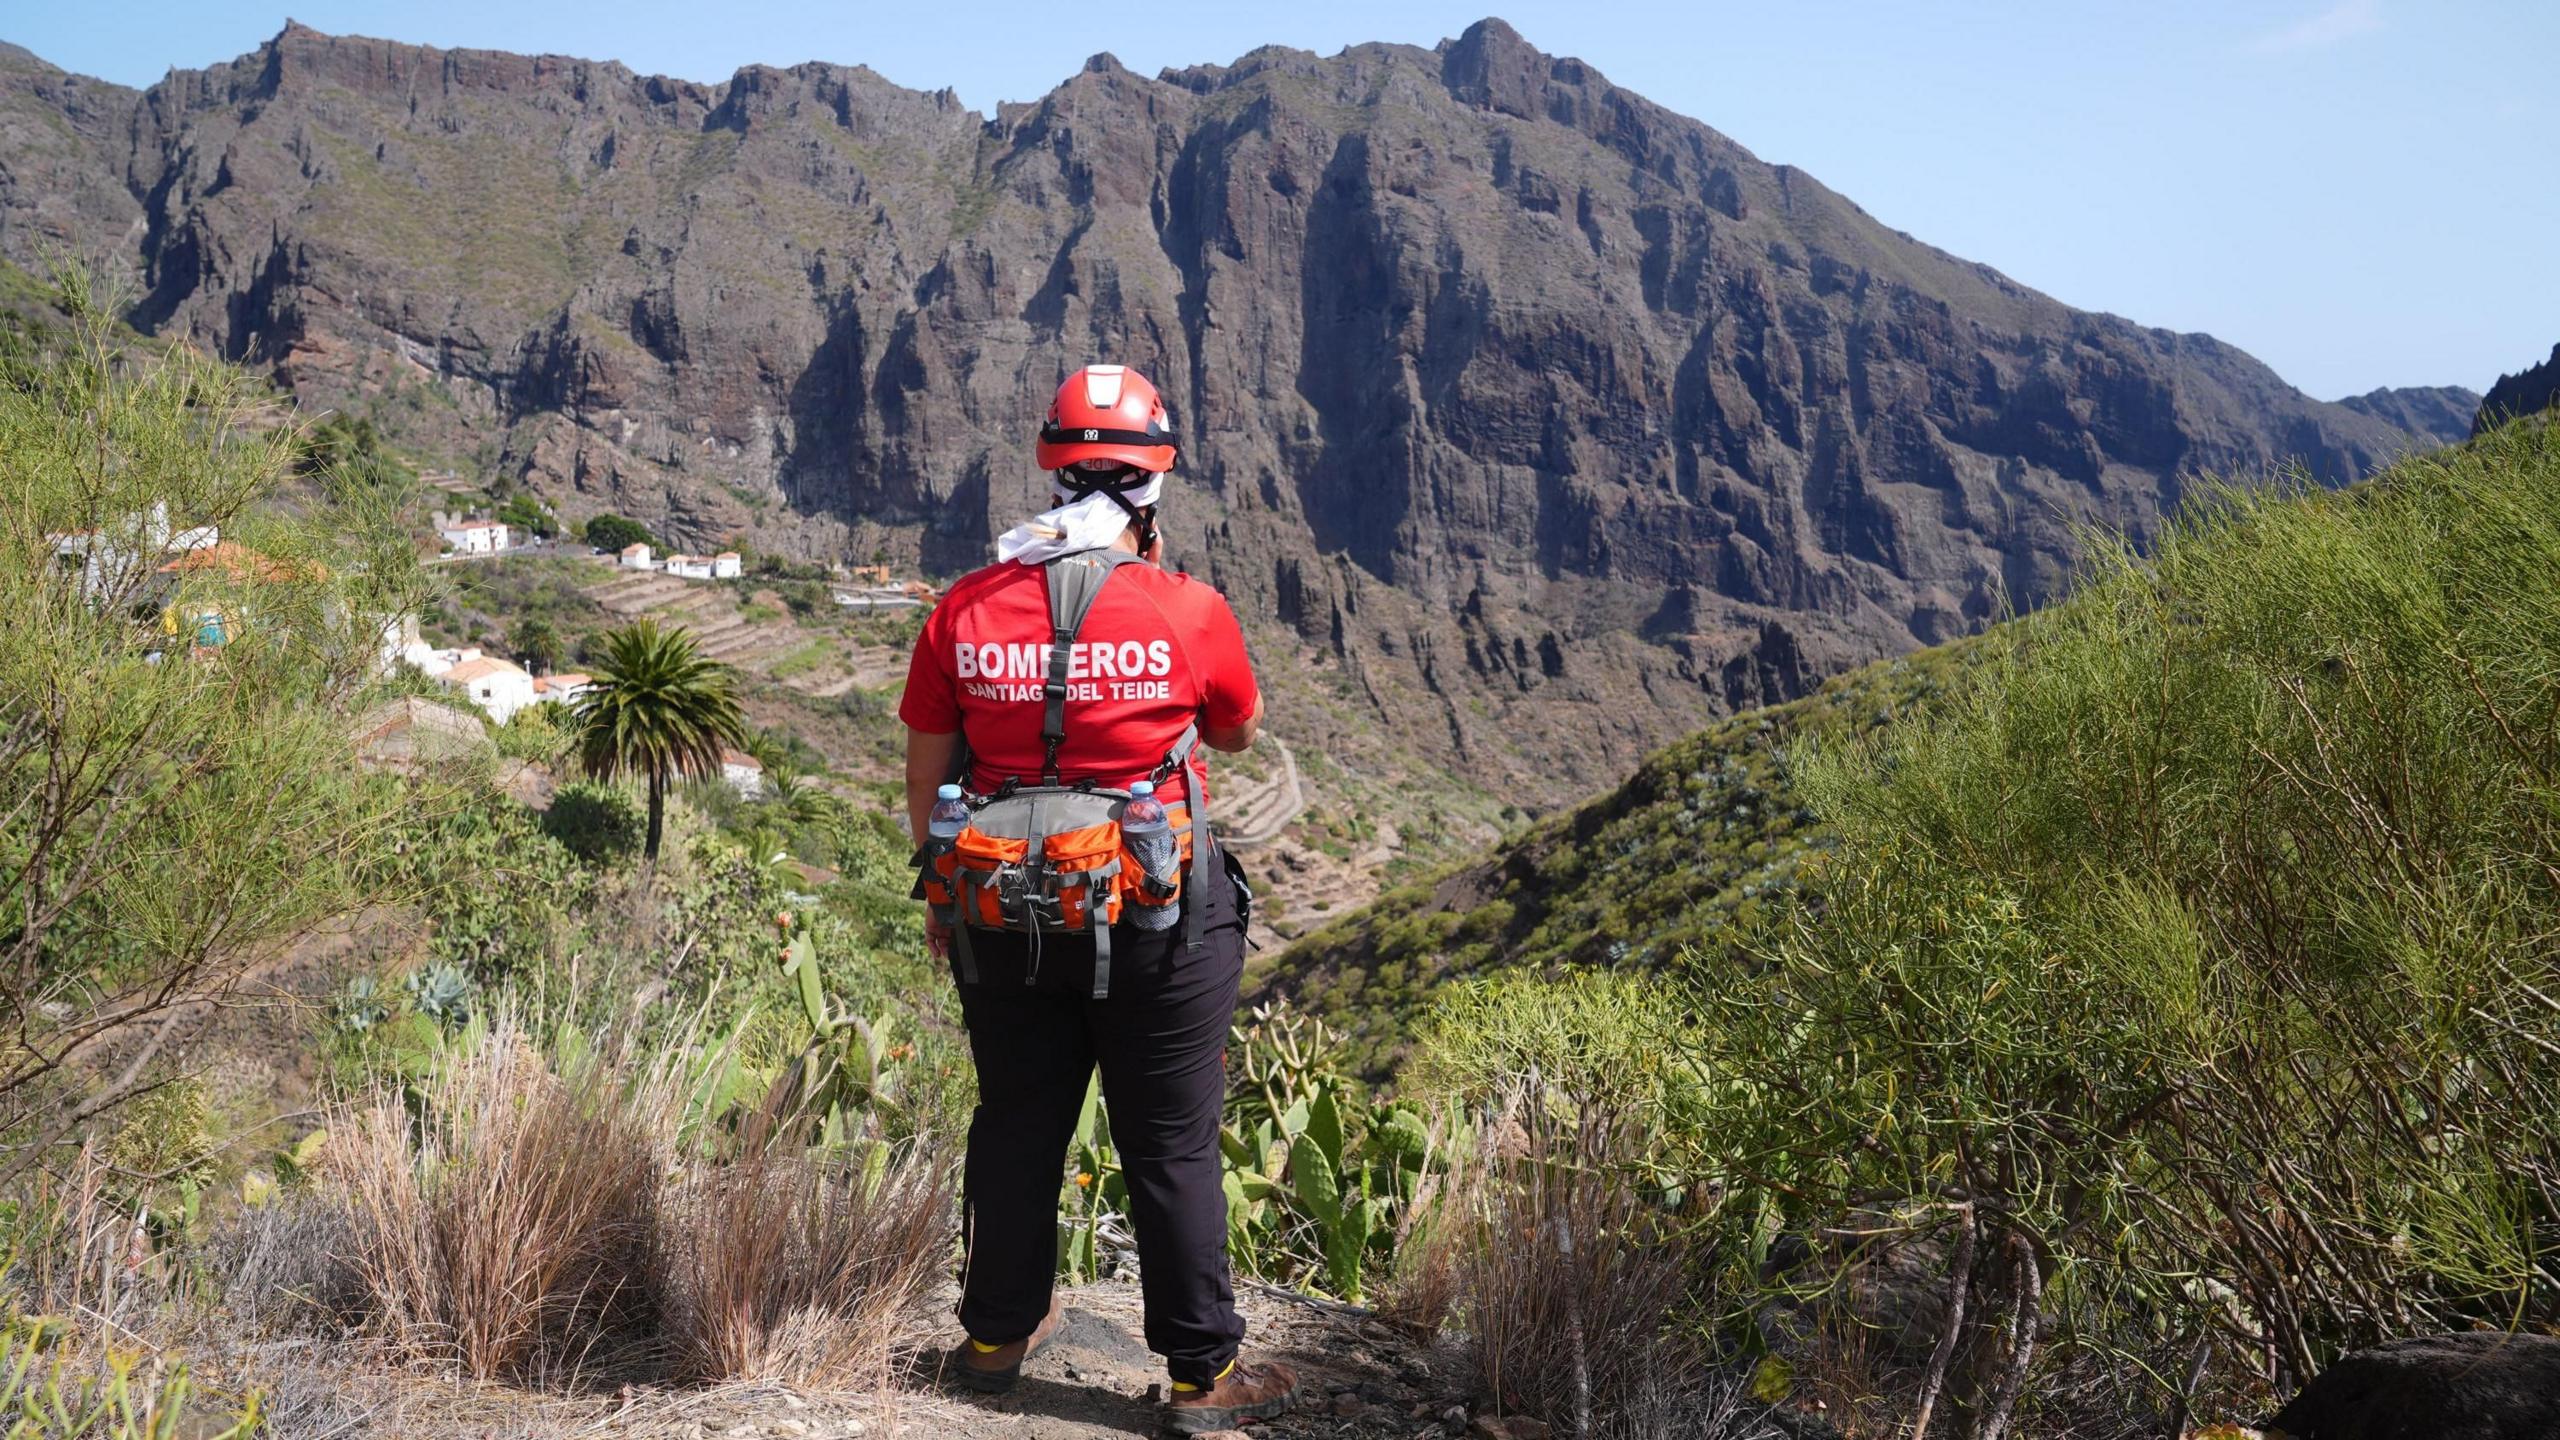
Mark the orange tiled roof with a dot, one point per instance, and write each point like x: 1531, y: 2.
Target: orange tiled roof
x: 239, y: 562
x: 470, y: 670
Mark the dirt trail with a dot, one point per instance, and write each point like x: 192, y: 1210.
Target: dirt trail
x: 1361, y: 1379
x: 1258, y: 812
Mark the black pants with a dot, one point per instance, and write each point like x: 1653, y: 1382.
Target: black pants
x: 1160, y: 1039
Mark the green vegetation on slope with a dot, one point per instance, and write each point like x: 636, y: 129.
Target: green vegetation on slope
x: 1691, y: 853
x: 173, y: 798
x: 2179, y: 981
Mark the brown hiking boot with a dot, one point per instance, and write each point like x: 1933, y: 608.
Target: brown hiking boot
x: 1245, y: 1392
x: 995, y: 1371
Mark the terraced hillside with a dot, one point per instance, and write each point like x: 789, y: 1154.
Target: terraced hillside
x: 811, y: 670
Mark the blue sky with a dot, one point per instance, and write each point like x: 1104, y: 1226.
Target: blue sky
x: 2359, y: 192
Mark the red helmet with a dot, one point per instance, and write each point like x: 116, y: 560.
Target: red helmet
x: 1107, y: 416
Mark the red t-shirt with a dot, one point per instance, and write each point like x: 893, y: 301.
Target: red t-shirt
x: 1158, y: 652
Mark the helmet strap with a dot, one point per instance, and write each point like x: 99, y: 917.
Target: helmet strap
x: 1081, y: 483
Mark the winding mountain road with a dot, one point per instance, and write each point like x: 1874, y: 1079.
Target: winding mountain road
x: 1262, y: 810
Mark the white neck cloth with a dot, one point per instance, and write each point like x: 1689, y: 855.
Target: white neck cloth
x: 1074, y: 526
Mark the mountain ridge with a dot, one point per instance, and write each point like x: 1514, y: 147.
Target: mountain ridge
x: 1527, y: 422
x: 2529, y: 391
x: 2442, y: 413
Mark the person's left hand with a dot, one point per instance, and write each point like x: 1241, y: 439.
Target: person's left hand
x: 937, y: 934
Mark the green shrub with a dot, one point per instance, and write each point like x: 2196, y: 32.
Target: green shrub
x: 351, y: 447
x: 528, y: 515
x: 164, y: 1136
x: 2193, y: 961
x: 176, y: 809
x: 614, y: 532
x: 1617, y: 1042
x: 500, y: 893
x: 600, y: 824
x: 540, y: 734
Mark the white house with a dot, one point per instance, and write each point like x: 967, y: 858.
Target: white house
x: 475, y: 536
x: 723, y: 566
x: 499, y: 687
x: 743, y: 771
x: 877, y: 597
x: 398, y: 635
x: 429, y: 659
x: 565, y: 688
x: 636, y: 557
x: 118, y: 555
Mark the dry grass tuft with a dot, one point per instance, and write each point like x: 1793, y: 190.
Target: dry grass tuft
x: 1424, y: 1294
x: 283, y: 1268
x: 513, y: 1218
x: 1575, y: 1290
x: 506, y: 1221
x: 788, y: 1265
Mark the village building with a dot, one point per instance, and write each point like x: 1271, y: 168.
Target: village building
x: 202, y: 587
x: 723, y: 566
x: 635, y: 556
x: 744, y: 772
x: 499, y: 687
x: 563, y: 688
x: 109, y: 559
x: 206, y: 622
x: 905, y: 595
x: 477, y: 535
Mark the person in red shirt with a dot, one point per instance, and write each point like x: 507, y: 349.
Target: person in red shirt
x: 1158, y: 653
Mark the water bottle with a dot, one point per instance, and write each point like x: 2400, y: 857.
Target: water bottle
x: 942, y: 826
x: 1150, y: 840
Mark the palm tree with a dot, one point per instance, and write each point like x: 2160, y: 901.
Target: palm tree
x: 796, y: 796
x: 659, y: 710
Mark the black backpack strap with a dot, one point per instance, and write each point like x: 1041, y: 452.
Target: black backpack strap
x: 1177, y: 761
x: 1101, y: 956
x: 962, y: 952
x: 1074, y: 581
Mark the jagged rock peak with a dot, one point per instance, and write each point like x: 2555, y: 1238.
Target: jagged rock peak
x: 1492, y: 66
x: 2529, y: 391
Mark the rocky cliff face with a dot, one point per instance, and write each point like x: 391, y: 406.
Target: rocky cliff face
x: 2529, y: 391
x: 1527, y: 421
x: 62, y: 162
x: 2441, y: 413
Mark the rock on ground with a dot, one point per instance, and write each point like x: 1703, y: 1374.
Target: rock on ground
x: 2483, y: 1386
